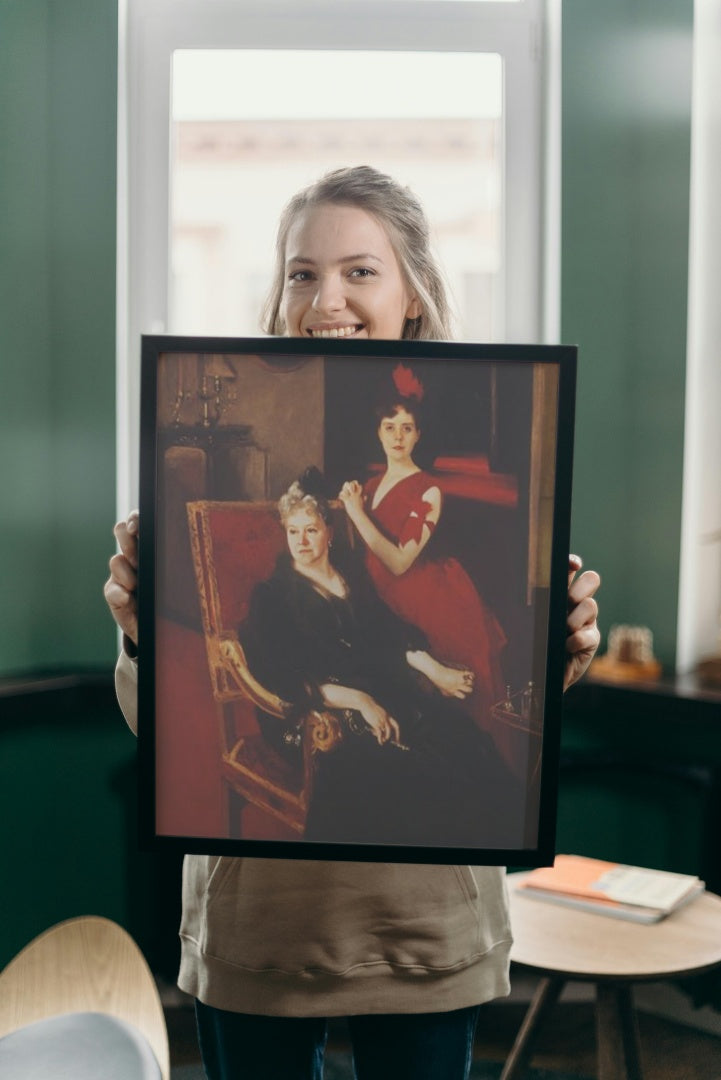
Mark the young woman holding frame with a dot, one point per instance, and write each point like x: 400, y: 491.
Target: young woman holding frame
x: 272, y: 948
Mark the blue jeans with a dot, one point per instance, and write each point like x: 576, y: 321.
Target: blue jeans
x: 414, y: 1046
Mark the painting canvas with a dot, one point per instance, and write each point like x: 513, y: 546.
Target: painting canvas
x: 353, y: 573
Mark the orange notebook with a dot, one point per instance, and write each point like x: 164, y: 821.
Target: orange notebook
x: 631, y: 892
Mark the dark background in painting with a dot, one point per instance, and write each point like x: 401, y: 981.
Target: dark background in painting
x: 459, y: 421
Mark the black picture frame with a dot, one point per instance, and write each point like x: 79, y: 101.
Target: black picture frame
x: 230, y: 766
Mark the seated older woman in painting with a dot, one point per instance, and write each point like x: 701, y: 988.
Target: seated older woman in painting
x: 411, y: 767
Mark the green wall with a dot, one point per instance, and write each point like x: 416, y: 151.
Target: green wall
x: 626, y: 145
x: 67, y: 761
x: 58, y: 73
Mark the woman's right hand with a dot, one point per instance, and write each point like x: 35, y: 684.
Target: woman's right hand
x: 121, y: 587
x: 384, y: 727
x: 351, y: 495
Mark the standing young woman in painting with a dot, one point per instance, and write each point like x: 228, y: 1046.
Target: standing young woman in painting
x: 396, y: 514
x: 271, y: 948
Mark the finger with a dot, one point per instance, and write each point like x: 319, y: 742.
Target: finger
x: 121, y: 603
x: 583, y: 614
x: 123, y: 608
x: 123, y: 572
x: 394, y: 729
x: 585, y: 640
x: 575, y: 563
x: 126, y: 534
x: 378, y: 729
x: 584, y: 586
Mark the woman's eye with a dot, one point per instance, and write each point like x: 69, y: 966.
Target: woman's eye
x: 362, y: 272
x: 299, y: 276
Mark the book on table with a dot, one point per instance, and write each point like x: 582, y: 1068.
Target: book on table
x: 609, y: 888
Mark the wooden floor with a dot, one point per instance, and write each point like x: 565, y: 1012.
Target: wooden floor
x: 567, y: 1042
x: 669, y: 1051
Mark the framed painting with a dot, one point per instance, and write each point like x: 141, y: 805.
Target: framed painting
x: 352, y: 597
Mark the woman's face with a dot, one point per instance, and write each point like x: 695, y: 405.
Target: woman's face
x: 308, y: 537
x: 342, y: 277
x: 398, y: 435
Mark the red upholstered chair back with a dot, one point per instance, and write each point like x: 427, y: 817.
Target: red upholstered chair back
x: 235, y: 545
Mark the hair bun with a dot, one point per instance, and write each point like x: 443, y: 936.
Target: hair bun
x: 313, y: 482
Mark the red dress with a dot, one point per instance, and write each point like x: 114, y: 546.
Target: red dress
x: 438, y: 597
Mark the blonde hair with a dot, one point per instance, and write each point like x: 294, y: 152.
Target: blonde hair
x: 403, y: 217
x: 297, y: 498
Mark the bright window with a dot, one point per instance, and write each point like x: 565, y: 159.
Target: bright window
x: 237, y: 158
x: 227, y: 107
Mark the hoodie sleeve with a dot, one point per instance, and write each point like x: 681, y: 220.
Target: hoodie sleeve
x: 126, y: 688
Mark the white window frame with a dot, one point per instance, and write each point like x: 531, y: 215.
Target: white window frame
x: 699, y: 597
x: 526, y: 34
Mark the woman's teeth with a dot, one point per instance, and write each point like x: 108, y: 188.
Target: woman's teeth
x: 337, y: 331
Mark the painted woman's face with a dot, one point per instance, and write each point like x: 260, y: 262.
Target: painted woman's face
x: 398, y: 435
x: 308, y: 537
x: 342, y: 277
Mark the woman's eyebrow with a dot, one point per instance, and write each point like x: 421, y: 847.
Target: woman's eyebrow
x: 361, y: 257
x: 303, y: 260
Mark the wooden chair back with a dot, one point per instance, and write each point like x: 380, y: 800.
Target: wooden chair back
x: 87, y: 964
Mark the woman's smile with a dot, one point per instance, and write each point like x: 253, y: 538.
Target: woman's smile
x: 335, y: 331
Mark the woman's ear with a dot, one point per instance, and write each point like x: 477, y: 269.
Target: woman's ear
x: 415, y: 309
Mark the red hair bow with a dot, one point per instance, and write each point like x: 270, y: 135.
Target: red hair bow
x: 406, y: 383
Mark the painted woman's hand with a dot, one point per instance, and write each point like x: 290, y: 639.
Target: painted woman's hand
x: 453, y: 682
x: 450, y: 681
x: 384, y: 727
x: 121, y: 587
x: 351, y: 495
x: 583, y: 635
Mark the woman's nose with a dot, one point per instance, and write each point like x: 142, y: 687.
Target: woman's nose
x: 329, y: 295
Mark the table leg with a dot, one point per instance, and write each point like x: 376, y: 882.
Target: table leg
x: 617, y: 1033
x: 545, y: 997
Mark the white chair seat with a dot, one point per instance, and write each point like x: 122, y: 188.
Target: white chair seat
x: 78, y: 1046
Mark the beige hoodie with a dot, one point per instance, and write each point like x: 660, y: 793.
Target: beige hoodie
x: 286, y: 937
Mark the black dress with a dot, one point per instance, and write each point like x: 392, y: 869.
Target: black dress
x: 449, y: 787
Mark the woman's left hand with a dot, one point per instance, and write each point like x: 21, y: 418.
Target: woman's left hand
x: 583, y: 635
x: 351, y: 495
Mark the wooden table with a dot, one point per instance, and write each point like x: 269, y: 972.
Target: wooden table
x: 563, y: 944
